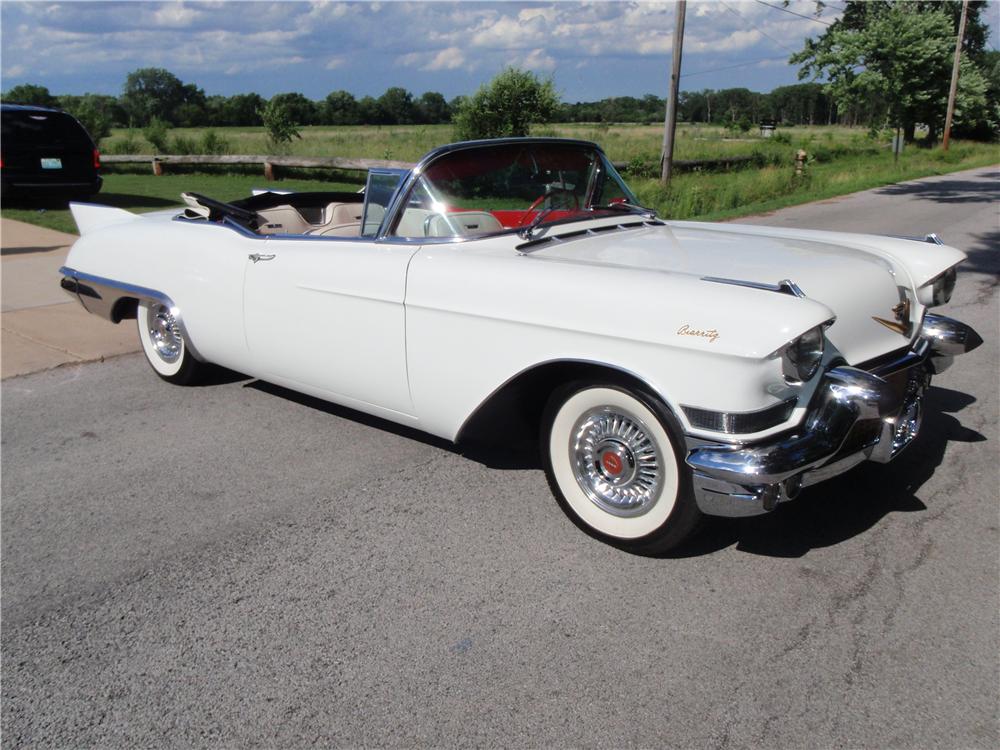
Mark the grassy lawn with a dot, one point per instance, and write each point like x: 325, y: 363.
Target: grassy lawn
x: 144, y: 192
x: 713, y: 196
x: 841, y: 160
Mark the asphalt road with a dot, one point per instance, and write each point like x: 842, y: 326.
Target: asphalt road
x: 237, y: 565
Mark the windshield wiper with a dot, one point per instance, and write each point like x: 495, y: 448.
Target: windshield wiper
x: 527, y: 232
x: 625, y: 206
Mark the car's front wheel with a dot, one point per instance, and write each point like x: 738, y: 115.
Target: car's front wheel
x: 163, y: 344
x: 613, y: 459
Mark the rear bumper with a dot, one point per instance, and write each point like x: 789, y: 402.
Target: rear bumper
x: 32, y: 185
x: 855, y: 415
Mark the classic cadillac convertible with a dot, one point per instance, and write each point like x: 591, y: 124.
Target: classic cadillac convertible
x: 672, y: 369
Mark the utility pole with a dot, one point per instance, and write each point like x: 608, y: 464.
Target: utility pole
x: 675, y: 78
x: 954, y: 77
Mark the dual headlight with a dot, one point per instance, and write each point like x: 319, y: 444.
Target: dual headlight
x: 938, y: 290
x: 802, y: 357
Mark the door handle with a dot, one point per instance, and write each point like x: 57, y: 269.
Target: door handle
x: 260, y: 256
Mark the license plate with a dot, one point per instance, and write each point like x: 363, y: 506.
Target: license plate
x: 51, y: 163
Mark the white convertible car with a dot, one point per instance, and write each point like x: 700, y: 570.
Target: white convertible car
x: 672, y: 369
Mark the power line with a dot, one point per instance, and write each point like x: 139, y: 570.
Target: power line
x: 800, y: 15
x: 758, y: 28
x: 730, y: 67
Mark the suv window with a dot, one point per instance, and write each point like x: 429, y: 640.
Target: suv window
x: 51, y: 128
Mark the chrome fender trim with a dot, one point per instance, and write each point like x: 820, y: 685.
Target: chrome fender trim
x: 98, y: 295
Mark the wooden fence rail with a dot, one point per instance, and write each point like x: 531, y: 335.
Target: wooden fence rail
x: 268, y: 162
x: 336, y: 162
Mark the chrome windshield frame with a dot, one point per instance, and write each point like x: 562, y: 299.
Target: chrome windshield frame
x: 398, y: 203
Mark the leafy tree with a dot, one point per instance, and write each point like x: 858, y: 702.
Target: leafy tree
x: 279, y: 123
x: 241, y: 109
x: 506, y: 106
x: 301, y: 110
x: 895, y: 57
x: 98, y: 113
x: 340, y: 108
x: 432, y: 108
x: 368, y: 111
x: 151, y: 93
x: 30, y: 93
x: 395, y: 107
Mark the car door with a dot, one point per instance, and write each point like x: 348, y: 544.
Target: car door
x: 325, y: 316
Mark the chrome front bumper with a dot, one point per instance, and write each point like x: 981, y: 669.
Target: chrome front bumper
x: 855, y: 415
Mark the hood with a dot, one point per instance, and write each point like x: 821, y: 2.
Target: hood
x: 859, y: 285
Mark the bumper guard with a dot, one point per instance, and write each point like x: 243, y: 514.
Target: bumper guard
x: 856, y: 415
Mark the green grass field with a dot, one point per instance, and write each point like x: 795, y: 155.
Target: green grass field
x: 841, y: 160
x: 622, y: 142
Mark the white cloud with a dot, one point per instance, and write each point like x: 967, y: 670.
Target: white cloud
x: 447, y: 59
x: 538, y: 59
x: 175, y: 15
x: 335, y: 62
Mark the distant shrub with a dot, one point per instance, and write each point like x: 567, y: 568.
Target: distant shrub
x: 130, y: 143
x: 182, y: 145
x: 782, y: 138
x: 643, y: 165
x: 156, y: 133
x: 213, y: 143
x: 281, y: 128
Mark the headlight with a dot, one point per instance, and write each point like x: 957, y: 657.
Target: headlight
x: 801, y: 358
x: 938, y: 290
x: 944, y: 285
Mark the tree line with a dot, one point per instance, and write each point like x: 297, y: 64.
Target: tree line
x: 156, y: 94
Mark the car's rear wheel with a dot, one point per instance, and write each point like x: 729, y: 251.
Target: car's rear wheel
x: 163, y: 344
x: 612, y: 456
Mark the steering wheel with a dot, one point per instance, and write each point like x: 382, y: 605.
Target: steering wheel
x: 548, y: 194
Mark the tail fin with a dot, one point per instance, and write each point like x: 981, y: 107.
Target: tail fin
x: 90, y: 217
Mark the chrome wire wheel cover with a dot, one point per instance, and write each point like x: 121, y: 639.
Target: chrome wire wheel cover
x: 616, y: 462
x: 164, y: 333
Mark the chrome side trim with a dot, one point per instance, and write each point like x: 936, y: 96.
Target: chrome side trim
x: 530, y: 246
x: 99, y: 295
x: 932, y: 238
x: 785, y: 286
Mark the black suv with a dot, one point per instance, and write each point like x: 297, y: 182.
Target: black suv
x: 46, y: 153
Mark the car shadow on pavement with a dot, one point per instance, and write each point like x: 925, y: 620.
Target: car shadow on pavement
x: 29, y: 250
x: 850, y: 504
x: 824, y: 515
x: 521, y: 454
x: 951, y: 191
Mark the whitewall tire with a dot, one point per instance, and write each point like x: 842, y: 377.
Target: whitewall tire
x: 163, y: 344
x: 615, y: 465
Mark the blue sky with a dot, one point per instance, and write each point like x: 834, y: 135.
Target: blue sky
x: 592, y: 50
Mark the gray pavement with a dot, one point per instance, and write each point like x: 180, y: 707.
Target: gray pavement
x: 239, y: 565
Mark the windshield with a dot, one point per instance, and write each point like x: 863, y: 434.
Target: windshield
x: 493, y: 188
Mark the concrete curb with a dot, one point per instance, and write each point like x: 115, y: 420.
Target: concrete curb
x: 42, y: 326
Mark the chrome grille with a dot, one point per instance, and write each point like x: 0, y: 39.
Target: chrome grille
x: 734, y: 423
